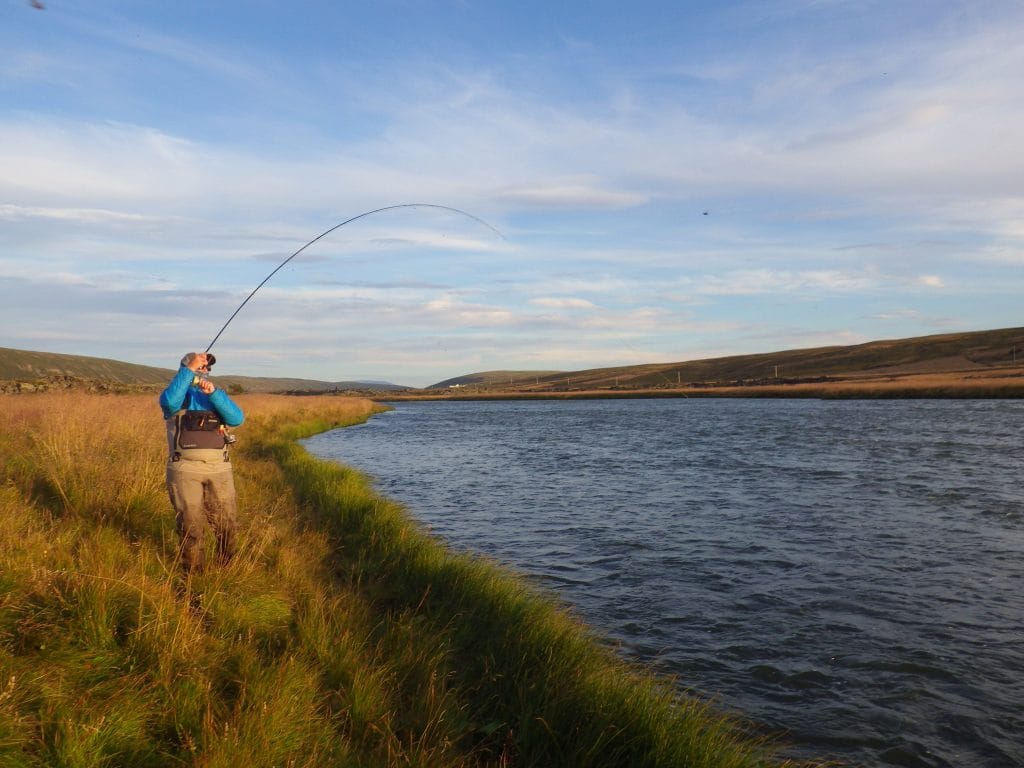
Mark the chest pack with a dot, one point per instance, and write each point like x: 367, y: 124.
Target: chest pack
x: 199, y: 429
x: 197, y: 435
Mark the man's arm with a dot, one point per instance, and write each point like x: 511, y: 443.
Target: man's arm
x: 172, y: 398
x: 226, y: 408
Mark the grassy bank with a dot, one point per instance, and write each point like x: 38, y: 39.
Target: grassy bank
x: 341, y: 634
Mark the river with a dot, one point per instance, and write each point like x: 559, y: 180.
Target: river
x: 847, y: 574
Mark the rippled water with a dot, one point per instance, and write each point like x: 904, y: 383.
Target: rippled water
x: 847, y: 573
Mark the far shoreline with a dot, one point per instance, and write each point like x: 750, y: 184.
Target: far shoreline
x: 975, y: 385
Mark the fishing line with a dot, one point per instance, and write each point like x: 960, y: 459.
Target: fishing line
x: 332, y: 229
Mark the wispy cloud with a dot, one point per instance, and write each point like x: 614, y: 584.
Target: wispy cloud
x: 569, y: 195
x: 766, y: 281
x: 556, y: 302
x: 77, y: 215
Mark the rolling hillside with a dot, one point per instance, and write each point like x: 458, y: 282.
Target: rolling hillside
x: 49, y: 369
x: 948, y: 354
x: 496, y: 378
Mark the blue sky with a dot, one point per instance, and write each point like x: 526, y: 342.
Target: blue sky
x: 673, y: 180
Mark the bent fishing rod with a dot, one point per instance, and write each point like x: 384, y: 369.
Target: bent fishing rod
x: 332, y: 229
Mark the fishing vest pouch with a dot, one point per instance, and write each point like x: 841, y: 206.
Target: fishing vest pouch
x: 198, y: 431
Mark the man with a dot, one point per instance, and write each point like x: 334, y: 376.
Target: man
x: 199, y: 478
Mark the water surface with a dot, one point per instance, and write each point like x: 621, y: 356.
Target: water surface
x: 845, y: 573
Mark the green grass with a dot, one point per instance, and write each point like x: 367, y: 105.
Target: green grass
x: 342, y: 633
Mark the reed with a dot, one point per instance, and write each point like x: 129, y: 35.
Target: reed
x: 341, y: 634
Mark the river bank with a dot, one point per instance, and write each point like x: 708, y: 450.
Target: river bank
x: 341, y: 634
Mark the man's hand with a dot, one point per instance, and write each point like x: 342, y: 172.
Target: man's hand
x: 206, y: 386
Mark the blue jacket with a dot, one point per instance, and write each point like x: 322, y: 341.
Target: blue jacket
x: 173, y: 399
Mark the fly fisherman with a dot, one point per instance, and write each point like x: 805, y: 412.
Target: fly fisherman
x: 199, y: 479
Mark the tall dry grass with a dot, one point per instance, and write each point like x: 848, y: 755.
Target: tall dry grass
x: 341, y: 634
x: 110, y: 656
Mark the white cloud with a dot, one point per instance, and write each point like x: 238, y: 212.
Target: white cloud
x: 569, y: 195
x: 434, y: 239
x: 762, y: 281
x: 898, y: 315
x: 608, y: 284
x: 555, y: 302
x: 451, y: 312
x: 77, y: 215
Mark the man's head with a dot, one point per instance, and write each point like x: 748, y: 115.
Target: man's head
x: 199, y: 362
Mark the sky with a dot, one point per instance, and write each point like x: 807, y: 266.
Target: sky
x: 644, y: 182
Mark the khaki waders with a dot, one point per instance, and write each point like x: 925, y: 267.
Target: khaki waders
x: 201, y: 487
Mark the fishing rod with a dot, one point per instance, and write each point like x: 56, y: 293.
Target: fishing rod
x: 339, y: 226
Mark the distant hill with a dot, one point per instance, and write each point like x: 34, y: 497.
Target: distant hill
x: 495, y: 378
x: 939, y: 354
x: 18, y: 365
x: 21, y: 365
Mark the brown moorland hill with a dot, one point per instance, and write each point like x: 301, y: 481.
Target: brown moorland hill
x: 979, y: 363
